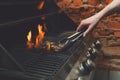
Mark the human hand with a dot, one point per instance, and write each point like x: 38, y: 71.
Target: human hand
x: 90, y: 23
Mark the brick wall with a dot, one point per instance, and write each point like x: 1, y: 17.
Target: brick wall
x: 108, y: 31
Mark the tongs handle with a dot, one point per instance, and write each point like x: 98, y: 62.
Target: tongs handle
x: 68, y: 42
x: 77, y: 35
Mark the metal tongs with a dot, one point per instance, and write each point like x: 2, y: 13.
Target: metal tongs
x: 70, y: 40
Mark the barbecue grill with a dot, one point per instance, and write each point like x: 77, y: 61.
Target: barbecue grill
x: 17, y: 62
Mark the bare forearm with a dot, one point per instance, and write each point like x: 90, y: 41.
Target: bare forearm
x: 112, y: 7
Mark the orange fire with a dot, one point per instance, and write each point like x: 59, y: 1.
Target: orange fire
x: 40, y: 6
x: 29, y: 40
x: 39, y: 37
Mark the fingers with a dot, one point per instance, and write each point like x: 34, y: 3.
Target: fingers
x: 85, y: 24
x: 79, y: 27
x: 87, y: 31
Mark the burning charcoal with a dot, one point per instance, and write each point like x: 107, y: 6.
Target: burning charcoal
x: 61, y: 45
x: 57, y: 46
x: 46, y: 46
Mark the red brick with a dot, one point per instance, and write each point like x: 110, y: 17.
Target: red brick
x: 114, y: 25
x: 111, y: 51
x: 95, y: 34
x: 113, y: 43
x: 107, y: 1
x: 77, y: 2
x: 101, y: 25
x: 117, y: 18
x: 104, y: 33
x: 103, y: 41
x: 117, y: 34
x: 94, y: 2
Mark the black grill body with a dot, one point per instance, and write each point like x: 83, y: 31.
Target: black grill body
x: 19, y: 63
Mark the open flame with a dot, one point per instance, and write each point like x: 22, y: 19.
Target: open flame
x: 39, y: 39
x: 39, y: 43
x: 40, y: 6
x: 29, y: 39
x: 40, y: 36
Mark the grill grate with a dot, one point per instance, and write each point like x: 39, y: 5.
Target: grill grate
x: 45, y: 65
x: 41, y: 65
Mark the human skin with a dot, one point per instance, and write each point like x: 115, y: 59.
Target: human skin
x: 92, y: 21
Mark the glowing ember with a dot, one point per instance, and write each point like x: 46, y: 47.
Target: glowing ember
x: 48, y: 46
x: 29, y: 40
x: 40, y: 6
x: 39, y: 37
